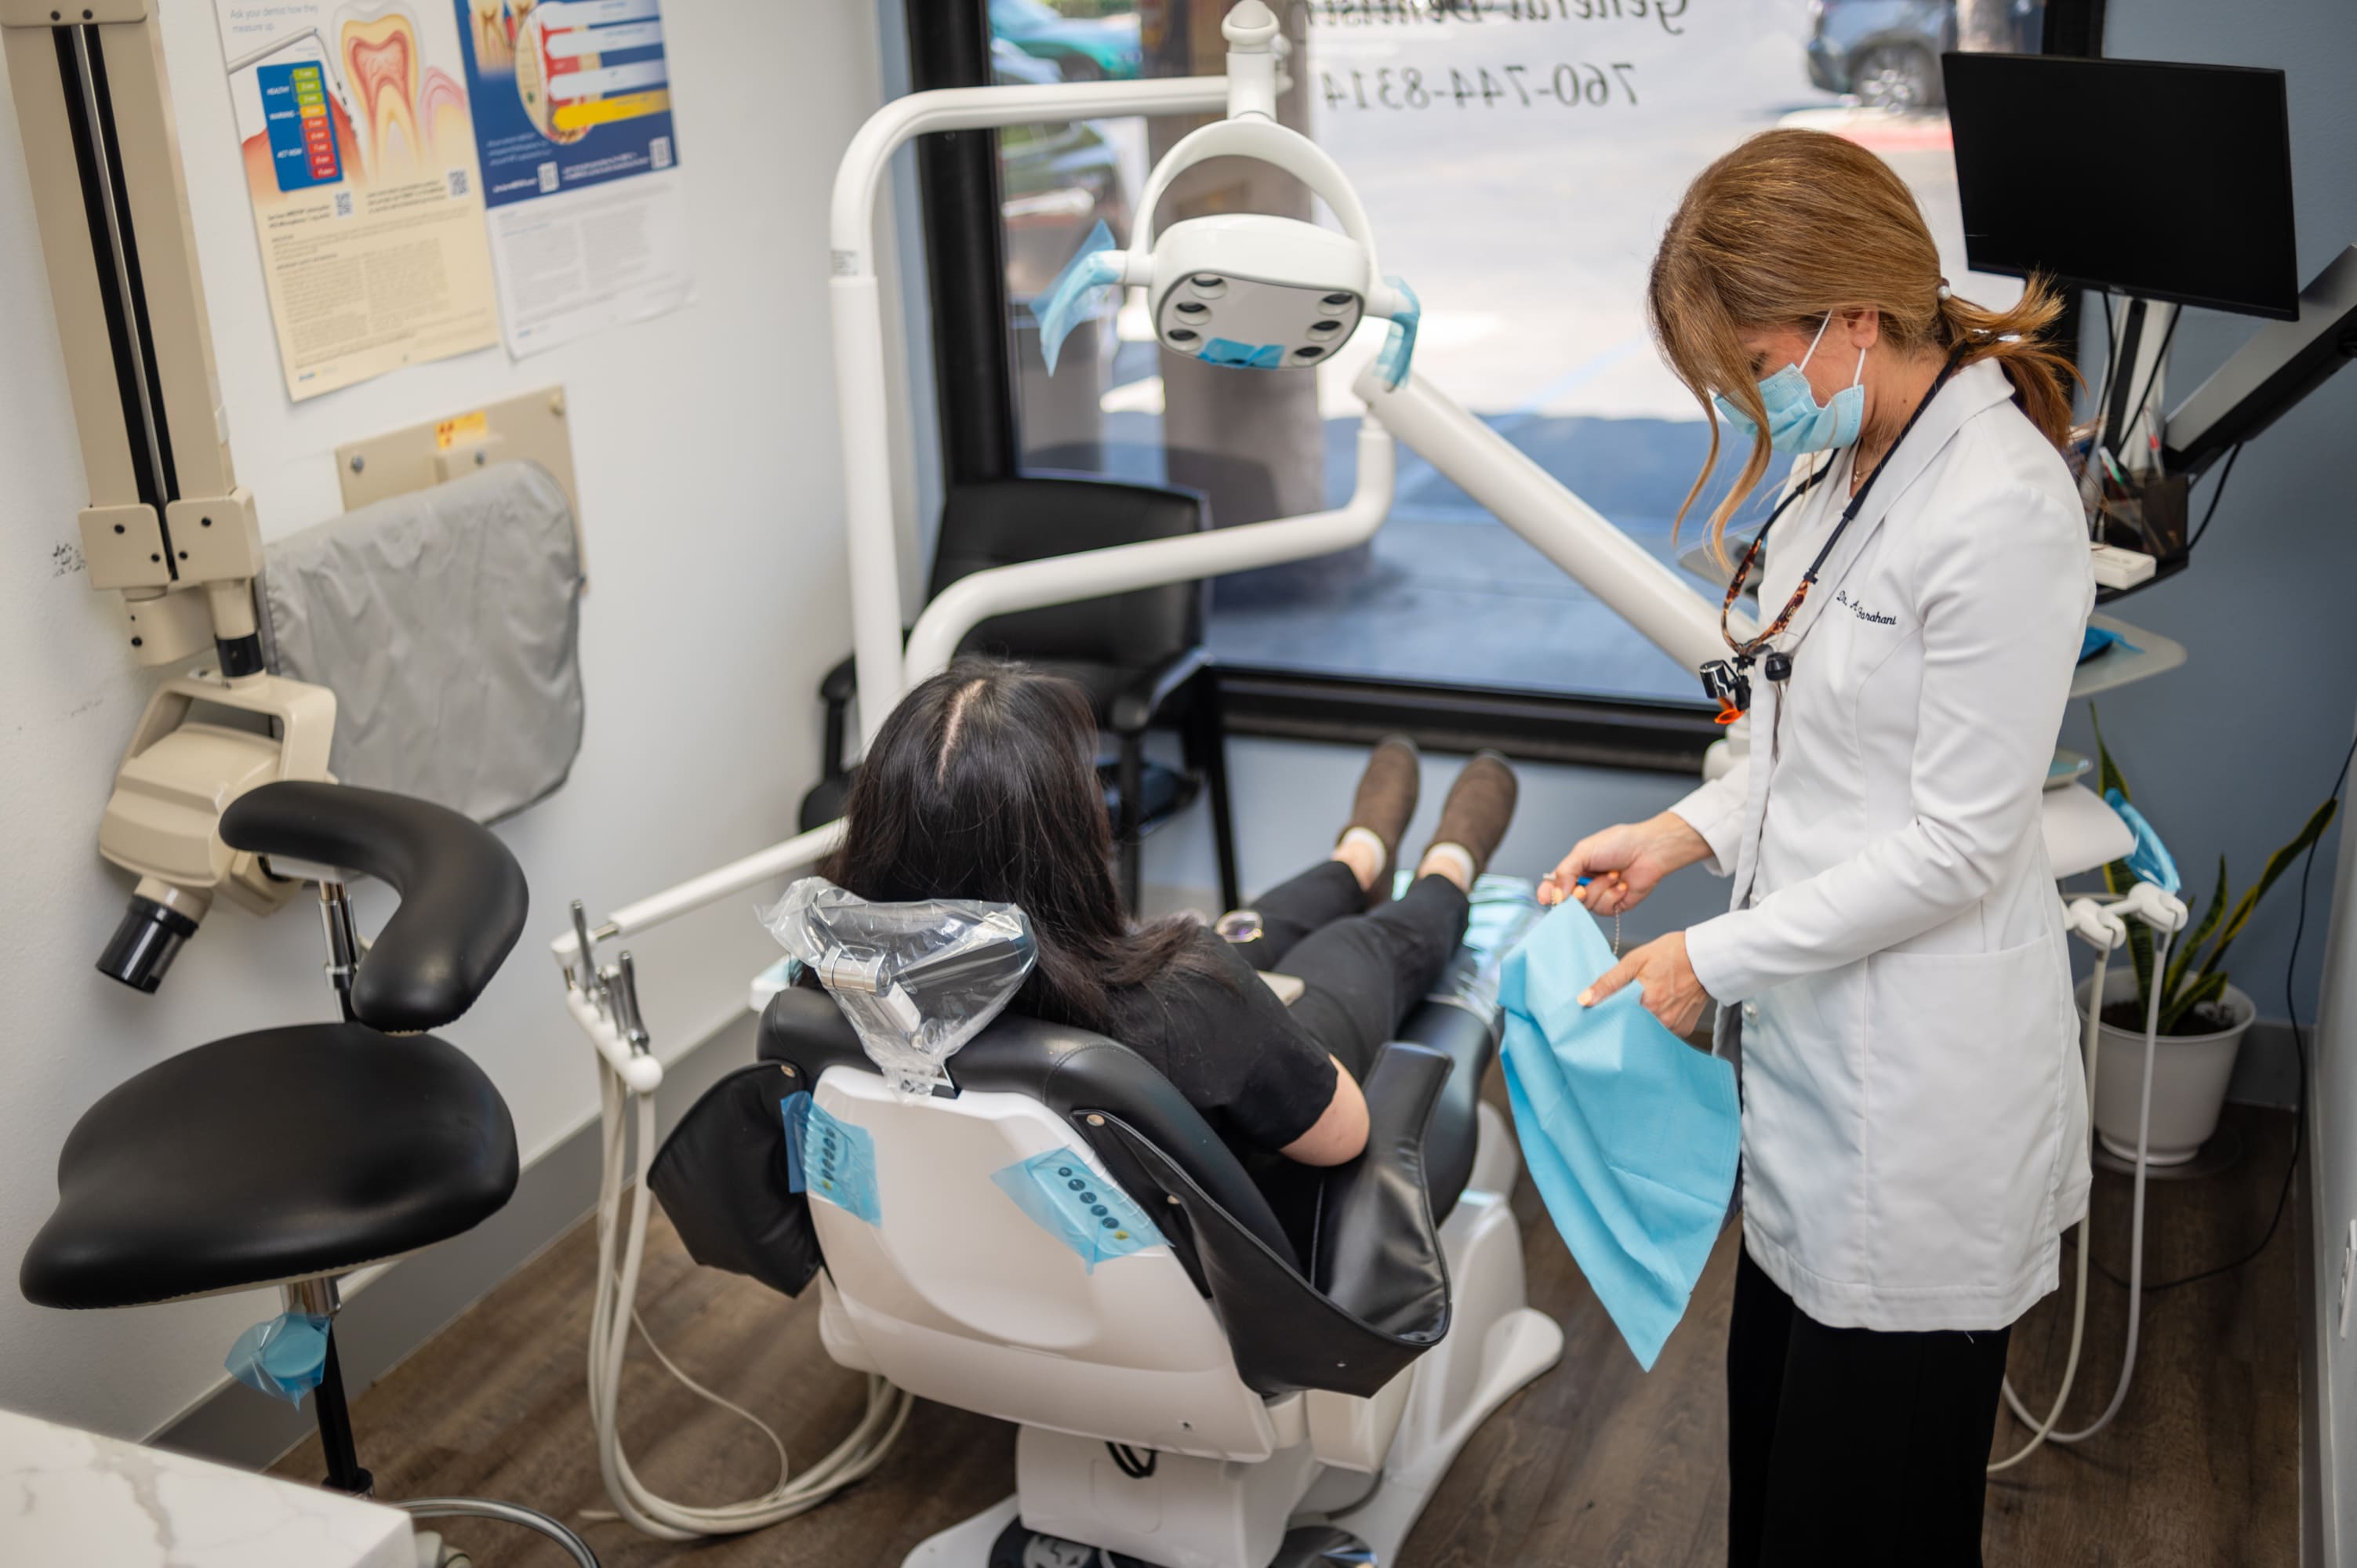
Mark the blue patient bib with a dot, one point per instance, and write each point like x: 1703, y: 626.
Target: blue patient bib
x: 1630, y: 1134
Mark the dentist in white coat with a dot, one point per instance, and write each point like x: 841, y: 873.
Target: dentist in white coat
x: 1892, y: 967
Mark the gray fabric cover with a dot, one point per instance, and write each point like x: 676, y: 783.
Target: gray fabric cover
x: 447, y: 623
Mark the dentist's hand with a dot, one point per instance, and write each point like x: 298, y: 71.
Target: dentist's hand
x: 1624, y: 864
x: 1671, y: 993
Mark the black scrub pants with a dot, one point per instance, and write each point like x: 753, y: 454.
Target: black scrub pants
x: 1362, y: 971
x: 1853, y: 1447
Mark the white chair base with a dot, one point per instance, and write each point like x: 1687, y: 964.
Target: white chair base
x: 1209, y: 1513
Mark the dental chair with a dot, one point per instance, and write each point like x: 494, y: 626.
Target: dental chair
x: 1227, y: 1398
x: 291, y: 1156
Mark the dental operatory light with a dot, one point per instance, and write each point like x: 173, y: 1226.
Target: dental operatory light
x: 1245, y: 290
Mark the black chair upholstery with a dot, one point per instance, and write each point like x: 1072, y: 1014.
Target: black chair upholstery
x: 462, y: 895
x: 1371, y: 1295
x: 1139, y: 656
x: 306, y: 1151
x: 279, y: 1154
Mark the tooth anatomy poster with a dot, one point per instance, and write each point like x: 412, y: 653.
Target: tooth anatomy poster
x: 572, y: 120
x: 360, y: 155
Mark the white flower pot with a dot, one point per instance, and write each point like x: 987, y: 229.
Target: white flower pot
x: 2189, y: 1080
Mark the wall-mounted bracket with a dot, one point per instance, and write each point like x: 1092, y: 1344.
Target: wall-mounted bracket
x: 531, y: 427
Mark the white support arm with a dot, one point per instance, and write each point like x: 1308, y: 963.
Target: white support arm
x: 861, y: 394
x: 1568, y: 532
x: 795, y: 854
x: 1118, y: 569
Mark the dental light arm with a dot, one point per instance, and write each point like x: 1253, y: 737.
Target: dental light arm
x: 167, y: 525
x: 1660, y: 605
x: 1093, y: 573
x: 856, y: 302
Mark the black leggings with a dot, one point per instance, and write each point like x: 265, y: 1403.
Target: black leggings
x: 1850, y: 1445
x: 1362, y: 971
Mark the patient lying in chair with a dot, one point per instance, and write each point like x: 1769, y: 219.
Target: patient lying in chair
x: 982, y: 785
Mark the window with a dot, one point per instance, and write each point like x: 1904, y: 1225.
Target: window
x: 1518, y: 159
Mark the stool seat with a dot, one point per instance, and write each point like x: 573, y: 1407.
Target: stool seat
x: 268, y: 1157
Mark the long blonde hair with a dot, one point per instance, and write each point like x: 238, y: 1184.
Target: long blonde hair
x: 1795, y: 225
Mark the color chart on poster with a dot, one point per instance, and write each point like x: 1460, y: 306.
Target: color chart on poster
x: 360, y: 157
x: 573, y: 121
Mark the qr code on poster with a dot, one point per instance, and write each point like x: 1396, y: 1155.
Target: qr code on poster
x: 343, y: 204
x: 659, y: 151
x: 458, y: 186
x: 547, y: 177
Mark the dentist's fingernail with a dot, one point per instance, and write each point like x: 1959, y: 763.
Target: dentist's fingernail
x: 1587, y: 997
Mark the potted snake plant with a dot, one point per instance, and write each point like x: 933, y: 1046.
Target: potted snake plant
x: 2204, y: 1015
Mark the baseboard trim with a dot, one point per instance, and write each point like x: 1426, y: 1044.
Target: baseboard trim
x: 418, y: 1297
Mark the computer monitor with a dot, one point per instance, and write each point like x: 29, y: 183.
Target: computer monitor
x: 2169, y: 181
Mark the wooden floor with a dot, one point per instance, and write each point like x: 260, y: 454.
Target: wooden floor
x: 1596, y: 1464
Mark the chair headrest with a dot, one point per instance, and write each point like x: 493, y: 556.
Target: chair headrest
x: 916, y: 981
x: 462, y: 895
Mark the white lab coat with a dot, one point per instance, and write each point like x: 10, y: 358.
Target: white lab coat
x: 1914, y: 1118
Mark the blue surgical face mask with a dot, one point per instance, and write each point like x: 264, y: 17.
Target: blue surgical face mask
x: 1797, y: 422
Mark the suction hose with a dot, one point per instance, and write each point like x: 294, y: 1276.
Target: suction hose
x: 611, y: 1320
x: 2043, y: 1432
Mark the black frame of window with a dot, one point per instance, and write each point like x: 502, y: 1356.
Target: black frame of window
x: 958, y: 186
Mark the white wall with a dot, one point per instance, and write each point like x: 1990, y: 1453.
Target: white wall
x: 705, y: 444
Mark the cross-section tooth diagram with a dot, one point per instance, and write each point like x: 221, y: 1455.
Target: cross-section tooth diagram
x: 356, y: 122
x: 377, y: 46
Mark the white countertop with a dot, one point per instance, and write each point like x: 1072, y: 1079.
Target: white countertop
x: 70, y: 1497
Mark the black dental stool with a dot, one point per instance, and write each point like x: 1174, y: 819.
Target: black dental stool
x: 292, y: 1156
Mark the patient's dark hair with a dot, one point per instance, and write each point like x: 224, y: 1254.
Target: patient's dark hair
x: 982, y: 784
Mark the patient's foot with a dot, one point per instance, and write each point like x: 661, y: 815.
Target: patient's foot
x: 1472, y: 821
x: 1379, y: 815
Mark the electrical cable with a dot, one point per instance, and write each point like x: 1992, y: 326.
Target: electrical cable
x: 2040, y: 1430
x: 2217, y: 490
x: 1130, y: 1463
x: 2045, y: 1432
x: 612, y: 1319
x: 2111, y: 358
x: 2136, y: 409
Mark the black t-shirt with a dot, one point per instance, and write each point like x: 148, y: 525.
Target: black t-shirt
x: 1231, y: 1047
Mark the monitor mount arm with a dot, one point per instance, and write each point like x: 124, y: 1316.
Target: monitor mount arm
x: 2284, y: 362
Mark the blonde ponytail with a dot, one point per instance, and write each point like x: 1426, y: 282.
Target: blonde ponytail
x: 2019, y: 340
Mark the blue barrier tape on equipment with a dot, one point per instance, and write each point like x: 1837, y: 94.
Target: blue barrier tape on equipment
x: 830, y: 1159
x: 1069, y: 1201
x: 284, y: 1358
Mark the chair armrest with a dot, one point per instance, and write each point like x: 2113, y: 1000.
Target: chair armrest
x: 1134, y: 708
x: 463, y: 897
x: 839, y: 684
x: 1378, y: 1251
